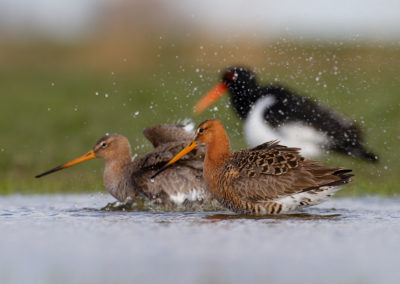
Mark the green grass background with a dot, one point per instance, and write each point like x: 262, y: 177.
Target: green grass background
x: 50, y: 113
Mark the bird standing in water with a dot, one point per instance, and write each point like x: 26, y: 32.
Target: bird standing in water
x: 267, y: 179
x: 273, y: 112
x: 123, y: 178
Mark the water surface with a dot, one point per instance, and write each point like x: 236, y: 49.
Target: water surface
x: 68, y: 239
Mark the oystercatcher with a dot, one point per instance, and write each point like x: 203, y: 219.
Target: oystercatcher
x: 273, y: 112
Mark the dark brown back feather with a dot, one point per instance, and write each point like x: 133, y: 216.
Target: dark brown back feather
x: 270, y: 171
x: 165, y: 152
x: 164, y: 133
x: 182, y: 177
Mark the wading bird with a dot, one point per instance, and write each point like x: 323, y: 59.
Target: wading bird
x: 180, y: 185
x: 267, y: 179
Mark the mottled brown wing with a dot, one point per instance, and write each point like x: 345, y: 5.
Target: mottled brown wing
x: 164, y: 133
x: 184, y: 178
x: 165, y: 152
x: 268, y: 158
x: 185, y: 182
x: 269, y: 171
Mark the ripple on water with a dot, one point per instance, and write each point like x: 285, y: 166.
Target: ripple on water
x: 69, y: 239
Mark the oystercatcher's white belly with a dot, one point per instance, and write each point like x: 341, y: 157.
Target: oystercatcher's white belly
x: 294, y: 134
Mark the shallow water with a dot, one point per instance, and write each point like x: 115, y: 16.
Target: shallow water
x: 67, y: 239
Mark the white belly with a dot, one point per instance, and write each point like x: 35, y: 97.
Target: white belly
x: 305, y: 199
x: 193, y: 195
x: 258, y: 131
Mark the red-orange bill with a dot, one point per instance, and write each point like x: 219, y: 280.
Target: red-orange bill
x: 88, y: 156
x: 193, y: 145
x: 209, y: 98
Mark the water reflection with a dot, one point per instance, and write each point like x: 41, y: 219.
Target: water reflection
x: 143, y: 204
x: 293, y: 216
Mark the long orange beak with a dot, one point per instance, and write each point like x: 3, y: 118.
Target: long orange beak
x: 192, y: 145
x: 88, y: 156
x: 210, y: 97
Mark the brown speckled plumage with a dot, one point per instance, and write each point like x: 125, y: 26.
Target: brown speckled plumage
x: 267, y: 179
x: 181, y: 184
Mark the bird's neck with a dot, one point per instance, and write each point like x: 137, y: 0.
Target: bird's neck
x: 114, y: 175
x: 217, y: 155
x: 218, y: 151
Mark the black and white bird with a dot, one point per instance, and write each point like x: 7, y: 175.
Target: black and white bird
x: 273, y: 112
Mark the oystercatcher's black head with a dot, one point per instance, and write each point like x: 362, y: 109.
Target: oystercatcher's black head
x: 242, y: 85
x: 239, y: 78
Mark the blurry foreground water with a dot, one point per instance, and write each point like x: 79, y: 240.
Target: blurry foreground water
x: 67, y: 239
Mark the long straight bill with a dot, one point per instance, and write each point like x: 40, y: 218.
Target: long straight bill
x: 187, y: 149
x: 88, y: 156
x: 209, y: 98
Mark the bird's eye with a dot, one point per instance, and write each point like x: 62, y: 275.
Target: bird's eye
x: 201, y: 130
x: 232, y: 76
x: 104, y: 144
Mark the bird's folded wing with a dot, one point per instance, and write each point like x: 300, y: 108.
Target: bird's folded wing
x: 276, y: 171
x: 164, y: 133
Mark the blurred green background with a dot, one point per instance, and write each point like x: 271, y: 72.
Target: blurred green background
x: 58, y: 95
